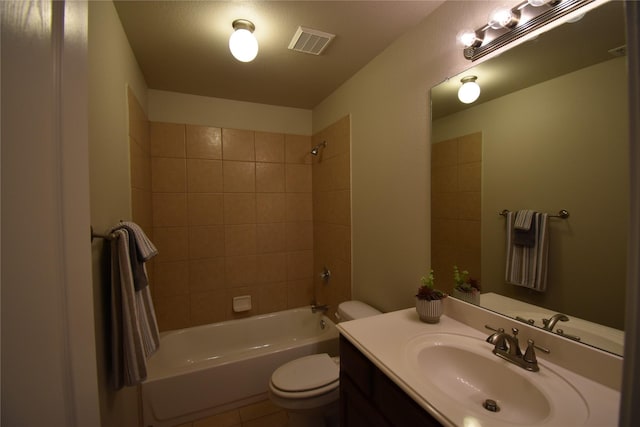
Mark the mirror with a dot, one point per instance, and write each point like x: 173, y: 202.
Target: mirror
x: 549, y: 132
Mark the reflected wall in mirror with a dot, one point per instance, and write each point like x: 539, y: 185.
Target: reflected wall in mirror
x: 551, y: 127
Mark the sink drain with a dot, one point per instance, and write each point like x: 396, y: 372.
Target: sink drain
x: 491, y: 405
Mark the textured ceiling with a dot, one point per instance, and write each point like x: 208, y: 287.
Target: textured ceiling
x: 182, y: 46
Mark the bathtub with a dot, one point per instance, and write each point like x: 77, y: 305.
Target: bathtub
x: 205, y: 370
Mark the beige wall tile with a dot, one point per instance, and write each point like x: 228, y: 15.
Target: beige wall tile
x: 141, y: 207
x: 269, y: 147
x: 299, y: 235
x: 469, y: 177
x: 470, y: 205
x: 271, y: 238
x: 299, y: 292
x: 168, y: 175
x: 470, y: 148
x: 172, y: 312
x: 298, y: 178
x: 272, y: 297
x: 445, y: 205
x: 239, y: 177
x: 297, y: 149
x: 167, y: 140
x: 206, y: 274
x: 271, y: 268
x: 299, y: 207
x: 444, y: 179
x: 240, y: 239
x: 140, y: 167
x: 270, y: 207
x: 171, y: 278
x: 443, y: 232
x: 299, y: 265
x: 339, y: 170
x: 169, y: 209
x: 203, y: 142
x: 205, y: 208
x: 240, y: 270
x: 204, y: 176
x: 238, y: 145
x: 468, y: 234
x: 172, y: 243
x: 206, y: 241
x: 341, y: 200
x: 208, y: 307
x: 270, y: 177
x: 138, y: 122
x: 239, y: 208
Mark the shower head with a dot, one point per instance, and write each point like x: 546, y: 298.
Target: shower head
x: 316, y: 150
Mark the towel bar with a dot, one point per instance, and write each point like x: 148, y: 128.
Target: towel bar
x: 100, y: 236
x: 563, y: 213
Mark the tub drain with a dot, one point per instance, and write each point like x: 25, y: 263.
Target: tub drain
x: 491, y: 405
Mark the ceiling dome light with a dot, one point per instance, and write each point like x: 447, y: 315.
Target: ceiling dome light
x: 469, y: 91
x: 242, y: 43
x: 503, y: 18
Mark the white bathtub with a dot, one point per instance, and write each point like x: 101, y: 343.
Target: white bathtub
x: 204, y: 370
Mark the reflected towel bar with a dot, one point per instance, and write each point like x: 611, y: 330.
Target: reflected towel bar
x: 563, y: 213
x: 100, y: 236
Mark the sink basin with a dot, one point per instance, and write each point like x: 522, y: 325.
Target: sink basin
x: 459, y: 373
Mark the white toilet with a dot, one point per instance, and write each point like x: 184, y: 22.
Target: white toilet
x: 308, y: 387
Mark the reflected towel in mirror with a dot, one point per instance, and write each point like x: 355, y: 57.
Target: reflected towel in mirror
x: 527, y: 265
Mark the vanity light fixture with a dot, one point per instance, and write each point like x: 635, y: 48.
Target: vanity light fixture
x: 242, y: 43
x: 469, y: 91
x: 506, y: 25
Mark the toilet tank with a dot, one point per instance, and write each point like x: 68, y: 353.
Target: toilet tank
x: 350, y: 310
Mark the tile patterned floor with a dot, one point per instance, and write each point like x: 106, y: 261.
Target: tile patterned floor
x: 261, y: 414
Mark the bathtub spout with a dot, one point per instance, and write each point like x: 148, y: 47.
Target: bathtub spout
x: 319, y: 307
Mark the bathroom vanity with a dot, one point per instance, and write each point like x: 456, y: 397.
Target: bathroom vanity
x: 398, y: 371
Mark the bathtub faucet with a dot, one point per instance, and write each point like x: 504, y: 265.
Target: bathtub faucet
x: 319, y: 307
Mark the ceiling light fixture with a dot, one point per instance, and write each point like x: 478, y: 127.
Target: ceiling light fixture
x: 242, y: 43
x: 506, y: 25
x: 469, y: 91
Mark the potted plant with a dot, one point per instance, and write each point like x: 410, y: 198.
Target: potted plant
x: 429, y: 300
x: 466, y: 288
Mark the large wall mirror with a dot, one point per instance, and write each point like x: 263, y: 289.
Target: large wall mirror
x: 548, y: 133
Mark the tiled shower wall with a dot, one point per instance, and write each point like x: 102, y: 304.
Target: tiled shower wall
x: 456, y: 183
x: 332, y: 213
x: 232, y: 213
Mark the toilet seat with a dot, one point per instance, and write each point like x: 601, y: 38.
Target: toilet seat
x: 306, y: 377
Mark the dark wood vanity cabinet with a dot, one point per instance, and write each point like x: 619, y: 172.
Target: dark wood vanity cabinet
x: 368, y: 398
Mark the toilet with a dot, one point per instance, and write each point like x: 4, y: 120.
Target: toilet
x: 308, y: 387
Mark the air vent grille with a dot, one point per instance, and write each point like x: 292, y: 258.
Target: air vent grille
x: 307, y: 40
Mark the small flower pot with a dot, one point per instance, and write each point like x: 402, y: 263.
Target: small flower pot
x: 429, y: 311
x: 470, y: 297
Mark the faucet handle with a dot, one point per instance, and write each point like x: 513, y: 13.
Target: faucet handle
x: 530, y: 353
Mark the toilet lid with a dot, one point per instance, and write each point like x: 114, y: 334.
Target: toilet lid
x: 306, y: 373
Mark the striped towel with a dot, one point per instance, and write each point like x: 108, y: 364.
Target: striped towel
x: 134, y: 329
x: 527, y: 265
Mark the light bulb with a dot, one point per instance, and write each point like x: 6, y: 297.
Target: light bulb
x: 501, y: 18
x: 468, y: 38
x: 469, y: 91
x: 242, y: 43
x: 537, y: 3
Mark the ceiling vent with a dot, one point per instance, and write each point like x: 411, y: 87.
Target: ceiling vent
x: 307, y: 40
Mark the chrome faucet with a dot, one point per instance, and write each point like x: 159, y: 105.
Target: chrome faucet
x: 550, y: 323
x: 507, y: 347
x: 319, y: 307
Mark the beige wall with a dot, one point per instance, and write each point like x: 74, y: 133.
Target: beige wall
x: 112, y: 68
x: 389, y: 108
x: 576, y: 161
x: 175, y: 107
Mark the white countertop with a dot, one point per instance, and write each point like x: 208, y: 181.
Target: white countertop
x: 383, y: 339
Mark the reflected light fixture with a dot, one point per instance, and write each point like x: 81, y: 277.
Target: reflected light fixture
x: 469, y: 91
x: 242, y: 43
x: 504, y: 18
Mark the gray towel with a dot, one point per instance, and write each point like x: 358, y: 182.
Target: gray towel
x: 134, y: 331
x: 524, y: 229
x: 527, y: 266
